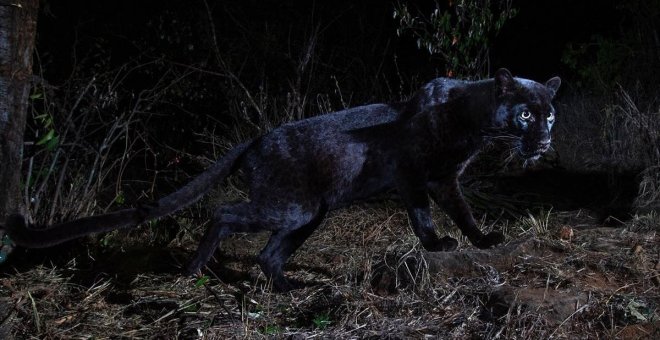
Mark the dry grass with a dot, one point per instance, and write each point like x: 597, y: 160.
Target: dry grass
x: 366, y: 276
x: 618, y: 132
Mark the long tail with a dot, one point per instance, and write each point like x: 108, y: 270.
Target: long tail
x: 32, y: 237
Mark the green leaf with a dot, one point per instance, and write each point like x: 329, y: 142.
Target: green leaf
x: 321, y: 321
x: 53, y: 143
x: 120, y: 198
x: 272, y: 330
x: 201, y: 281
x: 46, y: 138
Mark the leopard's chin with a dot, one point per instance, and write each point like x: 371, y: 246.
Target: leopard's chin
x: 530, y: 155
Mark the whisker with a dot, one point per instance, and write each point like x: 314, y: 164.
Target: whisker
x: 510, y: 157
x: 503, y: 137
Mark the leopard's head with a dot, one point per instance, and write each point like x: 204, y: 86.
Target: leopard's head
x: 524, y: 113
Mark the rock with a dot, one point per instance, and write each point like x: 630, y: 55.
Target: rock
x: 566, y: 233
x: 555, y: 305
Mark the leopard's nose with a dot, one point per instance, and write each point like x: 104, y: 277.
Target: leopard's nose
x: 544, y: 144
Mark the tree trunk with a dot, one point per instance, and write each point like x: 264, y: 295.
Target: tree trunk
x: 18, y: 23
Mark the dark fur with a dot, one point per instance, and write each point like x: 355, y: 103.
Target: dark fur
x: 301, y: 170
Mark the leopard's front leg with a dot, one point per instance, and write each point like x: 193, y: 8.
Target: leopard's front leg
x: 449, y: 196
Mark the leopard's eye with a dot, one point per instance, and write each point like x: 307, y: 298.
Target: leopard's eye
x: 525, y: 115
x: 551, y: 116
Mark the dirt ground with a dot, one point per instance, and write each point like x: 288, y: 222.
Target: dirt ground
x: 561, y: 275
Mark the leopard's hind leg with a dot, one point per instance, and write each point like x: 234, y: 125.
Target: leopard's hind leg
x: 291, y: 224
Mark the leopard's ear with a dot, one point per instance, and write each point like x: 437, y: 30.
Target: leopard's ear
x: 553, y: 85
x: 504, y: 82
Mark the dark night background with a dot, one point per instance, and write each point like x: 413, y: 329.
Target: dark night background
x: 351, y: 32
x: 195, y: 77
x: 531, y: 44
